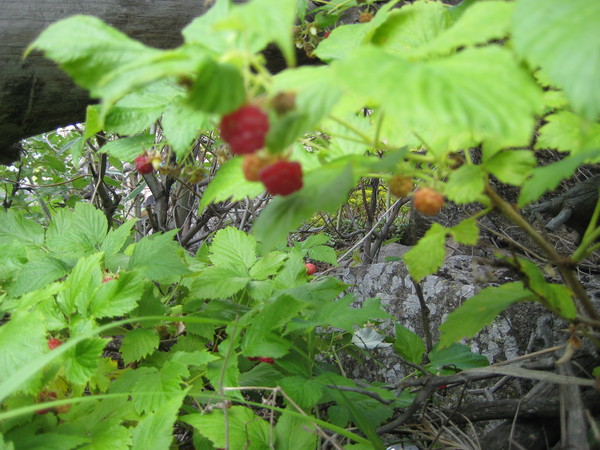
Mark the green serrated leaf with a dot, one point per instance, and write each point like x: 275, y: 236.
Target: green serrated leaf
x: 219, y: 282
x: 267, y: 265
x: 323, y: 254
x: 548, y: 177
x: 567, y: 132
x: 233, y: 248
x: 428, y: 255
x: 466, y: 184
x: 16, y: 228
x: 88, y: 49
x: 242, y: 426
x: 115, y: 239
x: 156, y: 429
x: 466, y: 232
x: 118, y: 296
x: 305, y: 392
x: 126, y: 149
x: 261, y: 375
x: 511, y: 166
x: 409, y: 345
x: 138, y: 343
x: 218, y: 89
x: 36, y: 274
x: 459, y: 94
x: 546, y: 32
x: 81, y: 362
x: 340, y: 314
x: 156, y: 388
x: 293, y: 433
x: 479, y: 311
x: 182, y: 123
x: 229, y: 183
x: 80, y: 285
x: 159, y: 257
x: 456, y: 357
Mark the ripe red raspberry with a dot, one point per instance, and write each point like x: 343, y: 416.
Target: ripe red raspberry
x: 266, y: 360
x: 282, y: 178
x: 53, y: 343
x: 310, y: 268
x: 143, y: 164
x: 43, y: 397
x: 253, y: 358
x: 252, y: 165
x: 401, y: 186
x: 428, y: 201
x: 245, y: 129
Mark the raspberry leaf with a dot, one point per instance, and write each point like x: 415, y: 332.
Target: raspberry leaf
x: 428, y: 255
x: 138, y: 343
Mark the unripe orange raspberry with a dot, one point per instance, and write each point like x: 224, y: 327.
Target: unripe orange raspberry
x: 401, y: 186
x: 428, y: 201
x: 253, y: 164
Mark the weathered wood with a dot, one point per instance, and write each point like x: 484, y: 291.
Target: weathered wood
x: 35, y: 95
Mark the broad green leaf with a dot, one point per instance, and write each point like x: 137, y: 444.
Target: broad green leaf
x: 427, y: 256
x: 102, y: 378
x: 88, y: 49
x: 156, y: 429
x: 454, y: 358
x: 293, y: 433
x: 323, y: 254
x: 567, y: 132
x: 341, y: 41
x: 159, y: 258
x: 466, y: 184
x: 115, y: 239
x: 80, y: 285
x: 555, y: 297
x: 22, y: 339
x: 548, y: 177
x: 156, y: 388
x: 479, y: 311
x: 82, y: 361
x: 219, y: 88
x: 261, y: 375
x: 138, y: 110
x: 306, y: 393
x: 138, y: 343
x: 480, y: 23
x: 409, y: 345
x: 313, y: 240
x: 126, y: 149
x: 233, y: 248
x: 229, y: 183
x: 511, y: 166
x: 36, y: 274
x: 47, y: 441
x: 412, y: 26
x: 272, y: 316
x: 341, y: 314
x: 325, y: 189
x: 219, y: 282
x: 182, y: 123
x: 118, y: 296
x: 481, y: 92
x: 16, y: 228
x: 261, y: 22
x: 224, y: 371
x: 243, y: 426
x: 202, y: 30
x: 267, y: 265
x: 466, y: 232
x: 293, y: 273
x: 562, y: 38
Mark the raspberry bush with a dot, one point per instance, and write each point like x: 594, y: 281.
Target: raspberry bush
x: 210, y: 343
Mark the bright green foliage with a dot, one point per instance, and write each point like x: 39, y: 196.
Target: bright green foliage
x: 243, y: 426
x: 428, y: 255
x: 409, y: 345
x: 457, y: 357
x: 411, y: 92
x: 546, y: 34
x: 479, y: 311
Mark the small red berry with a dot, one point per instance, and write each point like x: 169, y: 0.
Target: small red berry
x: 310, y: 268
x: 401, y: 186
x: 53, y: 343
x: 428, y: 201
x: 45, y: 396
x: 326, y: 35
x: 282, y: 177
x: 253, y: 358
x: 143, y: 164
x: 245, y: 129
x: 266, y: 360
